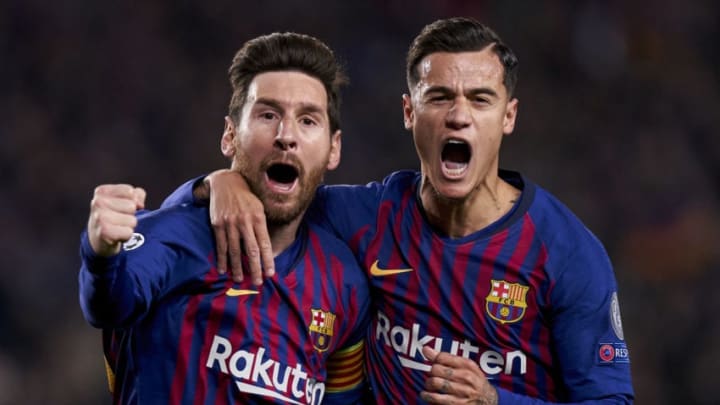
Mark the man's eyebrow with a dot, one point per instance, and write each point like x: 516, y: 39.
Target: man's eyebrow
x: 483, y: 90
x: 438, y: 89
x: 270, y: 102
x: 311, y: 108
x: 474, y: 91
x: 305, y: 107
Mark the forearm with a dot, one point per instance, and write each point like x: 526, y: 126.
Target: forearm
x: 108, y: 296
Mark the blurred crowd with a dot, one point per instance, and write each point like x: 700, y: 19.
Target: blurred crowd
x: 619, y: 117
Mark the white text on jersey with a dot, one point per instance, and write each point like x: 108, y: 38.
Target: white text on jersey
x: 408, y: 344
x: 252, y: 374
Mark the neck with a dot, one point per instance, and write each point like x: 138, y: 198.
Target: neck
x: 282, y: 236
x: 457, y: 218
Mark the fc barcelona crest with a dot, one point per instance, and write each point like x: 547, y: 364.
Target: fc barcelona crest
x: 321, y: 328
x: 506, y: 302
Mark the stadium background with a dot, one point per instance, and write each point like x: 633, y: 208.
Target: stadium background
x: 619, y: 117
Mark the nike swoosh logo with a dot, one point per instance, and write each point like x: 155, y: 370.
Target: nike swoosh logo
x: 234, y: 292
x: 375, y: 270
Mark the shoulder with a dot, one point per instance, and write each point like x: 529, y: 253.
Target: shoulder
x: 566, y: 238
x: 398, y: 180
x: 554, y: 216
x: 401, y: 178
x: 340, y: 200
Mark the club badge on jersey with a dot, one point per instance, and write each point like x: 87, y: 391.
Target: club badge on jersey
x: 321, y: 328
x: 506, y: 302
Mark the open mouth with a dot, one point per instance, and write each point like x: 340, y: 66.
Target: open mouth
x: 282, y: 176
x: 455, y: 157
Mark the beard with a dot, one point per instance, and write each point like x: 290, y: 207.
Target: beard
x: 282, y: 209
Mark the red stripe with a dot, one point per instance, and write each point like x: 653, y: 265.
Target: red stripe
x: 187, y: 330
x: 537, y: 279
x: 512, y: 275
x: 272, y: 305
x: 441, y: 278
x: 458, y: 277
x: 415, y: 251
x: 485, y: 274
x: 412, y: 290
x: 354, y: 242
x: 544, y: 336
x: 375, y: 243
x: 325, y: 273
x: 217, y: 309
x: 345, y: 315
x: 239, y: 328
x: 306, y: 291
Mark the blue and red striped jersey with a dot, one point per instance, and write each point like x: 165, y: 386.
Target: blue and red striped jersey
x: 176, y: 331
x: 532, y: 298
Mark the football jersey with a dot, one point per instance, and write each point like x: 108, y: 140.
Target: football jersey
x: 532, y: 298
x: 175, y: 331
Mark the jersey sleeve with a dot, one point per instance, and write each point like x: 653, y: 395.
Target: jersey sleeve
x: 587, y: 329
x: 592, y: 357
x: 118, y: 290
x: 183, y: 194
x: 586, y: 321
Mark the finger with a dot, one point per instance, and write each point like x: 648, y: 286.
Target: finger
x: 105, y: 217
x: 221, y: 247
x: 447, y: 359
x: 437, y: 398
x: 234, y: 251
x: 439, y: 391
x: 106, y: 240
x: 122, y: 205
x: 139, y: 196
x: 253, y: 254
x: 439, y: 370
x: 115, y: 190
x: 460, y: 389
x: 430, y: 353
x: 437, y: 384
x: 112, y: 234
x: 266, y: 252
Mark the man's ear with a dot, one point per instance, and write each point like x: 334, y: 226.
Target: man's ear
x: 510, y: 116
x: 227, y: 142
x: 335, y: 149
x: 408, y: 113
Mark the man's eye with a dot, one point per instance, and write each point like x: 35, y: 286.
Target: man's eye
x: 268, y: 115
x: 308, y: 121
x: 438, y: 99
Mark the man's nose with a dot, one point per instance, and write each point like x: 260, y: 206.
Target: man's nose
x: 459, y: 115
x: 286, y: 137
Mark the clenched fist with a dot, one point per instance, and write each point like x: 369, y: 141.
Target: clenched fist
x: 112, y: 216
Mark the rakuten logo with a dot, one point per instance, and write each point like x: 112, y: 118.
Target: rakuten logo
x: 253, y: 371
x: 408, y: 344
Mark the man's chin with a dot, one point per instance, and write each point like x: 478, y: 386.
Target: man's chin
x: 278, y: 212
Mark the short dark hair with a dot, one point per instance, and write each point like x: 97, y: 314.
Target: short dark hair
x: 286, y: 51
x: 459, y: 34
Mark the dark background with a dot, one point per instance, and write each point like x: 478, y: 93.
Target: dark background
x: 619, y: 117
